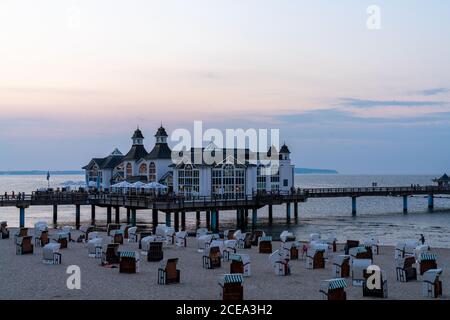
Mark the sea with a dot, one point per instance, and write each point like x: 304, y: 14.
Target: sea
x: 380, y: 217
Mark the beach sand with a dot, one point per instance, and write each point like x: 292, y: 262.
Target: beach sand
x: 27, y: 277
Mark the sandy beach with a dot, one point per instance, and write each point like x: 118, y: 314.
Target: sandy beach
x: 27, y: 277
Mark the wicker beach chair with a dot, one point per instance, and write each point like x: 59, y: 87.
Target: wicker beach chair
x: 111, y: 227
x: 129, y: 262
x: 406, y: 270
x: 423, y: 248
x: 371, y: 290
x: 410, y: 246
x: 203, y: 242
x: 85, y: 230
x: 142, y: 235
x: 212, y: 258
x: 358, y: 268
x: 373, y: 244
x: 265, y: 244
x: 24, y: 245
x: 333, y: 289
x: 315, y: 258
x: 280, y: 264
x: 229, y: 247
x: 427, y: 261
x: 4, y: 232
x: 168, y: 233
x: 51, y: 254
x: 350, y: 244
x: 132, y: 234
x: 240, y: 263
x: 229, y: 234
x: 68, y: 230
x: 256, y: 235
x: 290, y: 250
x: 155, y: 251
x: 201, y: 232
x: 61, y: 238
x: 22, y: 232
x: 116, y: 236
x: 231, y: 287
x: 287, y: 236
x: 168, y: 272
x: 181, y: 239
x: 331, y: 241
x: 361, y: 252
x: 111, y: 256
x: 125, y: 229
x: 341, y: 266
x: 431, y: 285
x: 95, y: 248
x: 41, y: 238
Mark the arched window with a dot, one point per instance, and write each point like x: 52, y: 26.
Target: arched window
x: 152, y: 172
x: 143, y: 169
x: 129, y: 170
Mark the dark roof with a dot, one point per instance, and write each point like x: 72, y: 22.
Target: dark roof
x: 160, y: 151
x: 137, y: 134
x: 110, y: 162
x: 97, y: 161
x: 272, y: 149
x: 136, y: 152
x: 165, y: 176
x: 284, y: 149
x: 161, y: 132
x: 444, y: 178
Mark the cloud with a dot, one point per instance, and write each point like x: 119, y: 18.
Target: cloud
x: 433, y: 91
x: 364, y: 103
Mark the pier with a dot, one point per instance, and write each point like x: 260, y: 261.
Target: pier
x: 179, y: 206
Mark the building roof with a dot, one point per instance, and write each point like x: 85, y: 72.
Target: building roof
x: 136, y: 152
x: 109, y: 162
x: 284, y: 149
x: 161, y: 132
x: 443, y: 178
x: 160, y: 151
x: 137, y: 134
x: 165, y: 176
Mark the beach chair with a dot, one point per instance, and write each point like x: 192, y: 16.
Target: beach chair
x: 181, y: 239
x: 361, y: 252
x: 431, y: 285
x: 331, y: 241
x: 24, y: 245
x: 315, y: 258
x: 116, y: 236
x: 111, y: 256
x: 240, y: 263
x: 320, y: 245
x: 145, y: 243
x: 132, y: 234
x: 41, y: 238
x: 265, y: 244
x: 406, y: 269
x: 61, y: 238
x: 287, y: 236
x: 421, y: 249
x: 373, y: 244
x: 212, y: 258
x: 22, y: 232
x: 4, y: 232
x: 410, y: 246
x: 201, y: 232
x: 229, y: 248
x: 290, y: 250
x: 51, y: 254
x: 427, y: 262
x: 93, y: 235
x: 231, y: 287
x: 95, y: 246
x: 129, y: 262
x: 155, y: 251
x: 279, y: 263
x: 247, y: 242
x: 203, y: 242
x: 39, y: 227
x: 358, y: 267
x: 125, y: 229
x: 381, y: 292
x: 314, y: 237
x: 229, y: 234
x: 399, y: 250
x: 142, y: 235
x: 168, y: 272
x: 111, y: 227
x: 168, y: 233
x: 85, y: 230
x: 341, y: 266
x: 68, y: 230
x: 350, y: 244
x: 256, y: 235
x: 333, y: 289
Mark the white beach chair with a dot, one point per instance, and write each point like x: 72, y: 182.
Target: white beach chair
x: 423, y: 248
x: 279, y: 263
x: 181, y: 239
x: 132, y: 234
x: 406, y: 268
x: 358, y: 267
x: 212, y: 257
x: 4, y: 232
x: 145, y: 243
x: 341, y: 266
x: 240, y: 238
x: 51, y: 253
x: 68, y: 230
x: 373, y: 243
x: 431, y: 285
x: 95, y: 246
x: 320, y: 245
x: 410, y: 246
x: 229, y: 248
x: 40, y: 226
x: 286, y: 236
x: 93, y: 235
x: 228, y: 233
x: 201, y: 232
x: 240, y: 263
x: 286, y: 248
x: 314, y: 237
x: 116, y: 235
x: 356, y: 252
x: 203, y: 242
x: 168, y: 233
x: 331, y: 241
x: 315, y: 258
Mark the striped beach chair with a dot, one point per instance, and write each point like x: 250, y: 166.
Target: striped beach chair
x: 129, y: 262
x: 427, y: 261
x: 431, y: 285
x: 231, y: 287
x: 265, y: 244
x: 51, y: 254
x: 333, y: 289
x: 240, y: 263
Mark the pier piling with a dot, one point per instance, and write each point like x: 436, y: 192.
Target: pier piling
x: 22, y: 217
x: 296, y: 210
x: 117, y: 214
x: 183, y: 220
x: 154, y: 219
x: 254, y: 217
x: 128, y: 215
x: 77, y: 216
x: 168, y: 222
x: 214, y: 221
x: 108, y: 214
x: 430, y: 202
x: 55, y: 215
x: 93, y: 214
x: 270, y: 214
x: 133, y: 217
x: 197, y: 219
x: 176, y: 221
x: 353, y: 206
x: 208, y: 220
x: 288, y: 212
x: 405, y: 204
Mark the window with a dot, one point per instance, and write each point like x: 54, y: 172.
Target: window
x: 261, y: 179
x: 152, y: 172
x: 188, y: 180
x: 143, y: 169
x: 285, y: 182
x: 228, y: 181
x: 275, y: 181
x: 129, y: 170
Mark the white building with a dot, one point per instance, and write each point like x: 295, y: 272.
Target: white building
x: 232, y: 173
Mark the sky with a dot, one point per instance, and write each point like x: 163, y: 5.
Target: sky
x: 77, y: 77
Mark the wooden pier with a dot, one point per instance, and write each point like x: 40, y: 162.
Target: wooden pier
x: 212, y: 206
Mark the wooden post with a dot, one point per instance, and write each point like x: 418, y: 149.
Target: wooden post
x: 22, y: 217
x: 128, y: 215
x: 208, y: 220
x: 176, y: 221
x: 183, y: 220
x: 296, y: 210
x: 405, y: 204
x: 108, y: 214
x: 55, y: 215
x: 168, y: 220
x: 353, y: 206
x: 430, y: 202
x: 288, y: 212
x: 154, y: 219
x: 270, y: 214
x: 77, y: 216
x: 197, y: 219
x: 214, y: 221
x: 93, y: 214
x: 254, y: 217
x: 133, y: 217
x: 117, y: 214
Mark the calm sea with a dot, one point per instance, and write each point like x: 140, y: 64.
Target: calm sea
x: 381, y: 217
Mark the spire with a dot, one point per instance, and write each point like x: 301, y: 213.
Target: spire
x: 161, y: 135
x: 138, y: 138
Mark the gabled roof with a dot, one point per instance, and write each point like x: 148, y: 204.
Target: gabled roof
x: 444, y: 178
x: 94, y: 161
x: 166, y: 175
x: 161, y: 132
x: 137, y: 134
x: 284, y: 149
x: 136, y: 152
x: 109, y: 162
x: 160, y: 151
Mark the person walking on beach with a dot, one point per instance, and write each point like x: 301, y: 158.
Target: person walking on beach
x: 422, y: 239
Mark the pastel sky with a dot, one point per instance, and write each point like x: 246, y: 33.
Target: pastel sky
x: 77, y: 77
